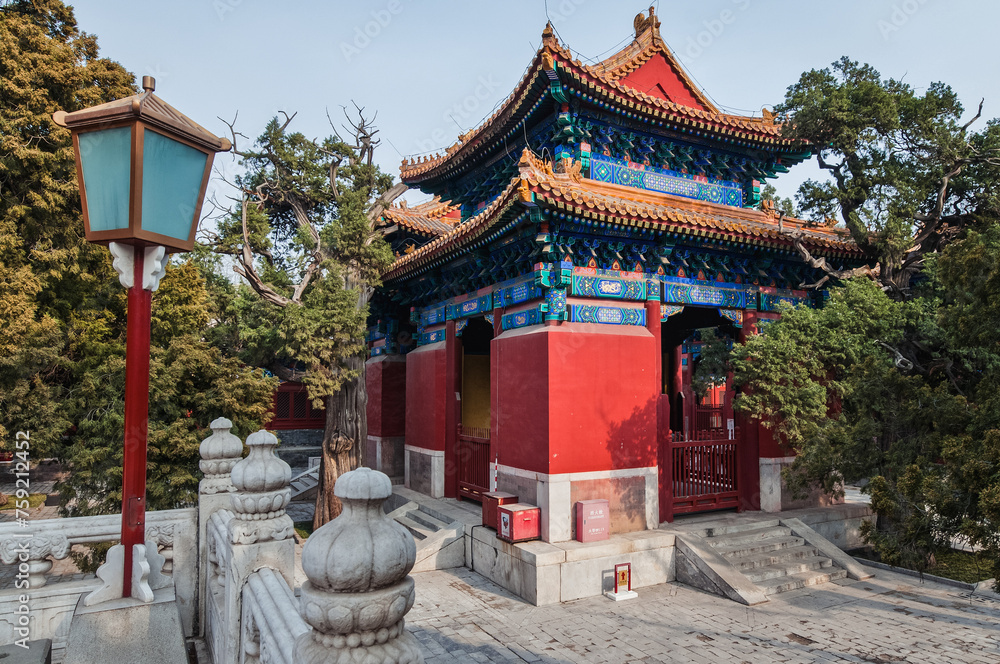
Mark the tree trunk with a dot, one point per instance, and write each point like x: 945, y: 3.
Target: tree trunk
x: 345, y: 434
x: 343, y: 440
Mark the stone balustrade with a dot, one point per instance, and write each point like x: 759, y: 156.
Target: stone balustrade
x: 233, y: 566
x: 271, y: 620
x: 34, y: 548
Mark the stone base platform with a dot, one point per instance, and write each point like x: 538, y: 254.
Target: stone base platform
x: 546, y: 573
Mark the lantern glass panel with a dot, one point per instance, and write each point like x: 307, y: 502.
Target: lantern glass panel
x: 105, y: 157
x: 172, y: 173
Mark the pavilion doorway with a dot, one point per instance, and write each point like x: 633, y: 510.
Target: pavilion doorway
x: 473, y: 439
x: 700, y: 446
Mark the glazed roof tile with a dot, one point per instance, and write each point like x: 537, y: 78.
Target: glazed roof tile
x: 434, y: 217
x: 604, y: 80
x: 620, y: 205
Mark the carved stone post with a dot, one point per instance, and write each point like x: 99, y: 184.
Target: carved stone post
x: 260, y: 532
x: 30, y: 555
x: 358, y: 589
x: 219, y: 453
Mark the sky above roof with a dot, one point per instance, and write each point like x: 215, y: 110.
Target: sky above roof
x: 434, y: 69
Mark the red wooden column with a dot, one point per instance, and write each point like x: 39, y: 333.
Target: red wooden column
x: 749, y: 479
x: 664, y: 468
x: 495, y: 367
x: 452, y: 412
x: 675, y: 385
x: 136, y: 417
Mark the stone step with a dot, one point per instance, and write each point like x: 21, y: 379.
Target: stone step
x: 732, y: 529
x: 304, y: 483
x: 787, y: 555
x: 800, y: 565
x: 429, y: 521
x: 760, y: 546
x: 419, y: 530
x: 749, y: 536
x: 800, y: 580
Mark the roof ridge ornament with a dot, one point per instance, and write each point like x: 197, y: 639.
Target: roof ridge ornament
x: 548, y: 36
x: 642, y: 24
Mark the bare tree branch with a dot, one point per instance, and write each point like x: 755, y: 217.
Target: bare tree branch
x: 978, y: 115
x: 824, y: 265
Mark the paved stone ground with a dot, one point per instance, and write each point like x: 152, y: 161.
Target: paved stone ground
x: 461, y: 617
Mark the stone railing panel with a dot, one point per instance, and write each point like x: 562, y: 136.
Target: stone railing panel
x: 271, y: 621
x: 45, y: 540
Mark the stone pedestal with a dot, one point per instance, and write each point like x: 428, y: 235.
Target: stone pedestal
x: 127, y: 631
x: 358, y: 589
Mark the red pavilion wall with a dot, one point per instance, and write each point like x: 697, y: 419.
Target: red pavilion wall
x: 385, y: 379
x: 425, y: 397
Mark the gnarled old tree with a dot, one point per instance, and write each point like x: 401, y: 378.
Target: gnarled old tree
x: 304, y: 235
x: 907, y: 174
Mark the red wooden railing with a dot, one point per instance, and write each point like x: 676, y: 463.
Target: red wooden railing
x: 473, y: 457
x: 707, y: 418
x: 704, y: 470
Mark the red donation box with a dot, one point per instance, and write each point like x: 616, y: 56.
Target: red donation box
x: 491, y: 501
x: 518, y: 522
x: 593, y: 520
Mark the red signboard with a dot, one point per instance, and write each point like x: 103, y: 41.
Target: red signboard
x: 593, y: 520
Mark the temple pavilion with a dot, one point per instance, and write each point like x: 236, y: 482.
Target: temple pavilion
x: 538, y: 331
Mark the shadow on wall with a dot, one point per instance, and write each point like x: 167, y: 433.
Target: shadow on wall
x: 631, y: 442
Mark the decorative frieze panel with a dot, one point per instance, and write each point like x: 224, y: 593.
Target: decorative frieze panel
x: 431, y: 337
x: 471, y: 307
x: 433, y: 315
x: 640, y: 176
x: 517, y: 293
x: 587, y: 313
x: 608, y: 287
x: 522, y: 319
x: 769, y: 301
x: 678, y: 293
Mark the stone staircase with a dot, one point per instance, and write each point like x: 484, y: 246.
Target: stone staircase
x: 440, y: 540
x: 772, y: 557
x: 304, y: 484
x: 750, y: 559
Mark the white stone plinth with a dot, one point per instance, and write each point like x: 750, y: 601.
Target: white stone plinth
x: 621, y: 595
x: 127, y: 631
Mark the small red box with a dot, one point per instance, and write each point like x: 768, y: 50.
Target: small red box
x: 593, y: 520
x: 493, y: 500
x: 518, y: 522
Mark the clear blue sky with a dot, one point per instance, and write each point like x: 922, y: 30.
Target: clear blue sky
x: 435, y: 68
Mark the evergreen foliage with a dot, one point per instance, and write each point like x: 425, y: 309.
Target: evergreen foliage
x: 895, y: 382
x: 304, y: 237
x: 62, y: 309
x: 907, y: 172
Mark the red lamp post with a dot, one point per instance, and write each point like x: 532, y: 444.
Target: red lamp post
x: 143, y: 168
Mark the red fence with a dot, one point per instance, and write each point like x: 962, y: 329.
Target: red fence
x: 707, y: 418
x: 473, y: 457
x: 704, y: 470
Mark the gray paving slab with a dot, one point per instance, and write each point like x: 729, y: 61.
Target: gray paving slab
x: 460, y: 616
